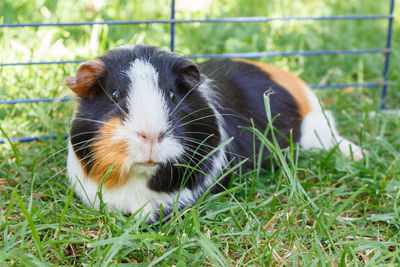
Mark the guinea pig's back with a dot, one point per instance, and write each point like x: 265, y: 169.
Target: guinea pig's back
x: 241, y: 85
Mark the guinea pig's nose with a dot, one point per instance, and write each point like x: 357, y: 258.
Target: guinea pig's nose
x: 150, y: 138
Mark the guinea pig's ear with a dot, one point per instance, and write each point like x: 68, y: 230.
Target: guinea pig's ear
x: 86, y: 76
x: 188, y: 74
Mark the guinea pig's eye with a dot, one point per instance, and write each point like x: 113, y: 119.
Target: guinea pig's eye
x: 171, y: 95
x: 115, y: 96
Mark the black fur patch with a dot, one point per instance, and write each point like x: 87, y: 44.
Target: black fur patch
x: 242, y: 87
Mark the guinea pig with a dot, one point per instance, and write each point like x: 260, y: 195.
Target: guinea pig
x: 151, y: 128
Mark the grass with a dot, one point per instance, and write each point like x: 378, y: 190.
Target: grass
x: 320, y: 209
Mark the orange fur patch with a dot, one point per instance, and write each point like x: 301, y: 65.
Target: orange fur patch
x: 107, y: 152
x: 291, y: 83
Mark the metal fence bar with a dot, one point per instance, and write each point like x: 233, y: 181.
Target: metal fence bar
x: 172, y: 26
x: 29, y: 139
x: 220, y: 20
x: 241, y: 55
x: 36, y: 100
x: 387, y: 57
x: 41, y: 63
x: 292, y: 53
x: 345, y: 85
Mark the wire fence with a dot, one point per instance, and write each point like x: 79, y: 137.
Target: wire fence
x: 386, y: 51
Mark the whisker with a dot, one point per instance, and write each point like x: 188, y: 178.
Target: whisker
x: 93, y: 120
x: 59, y: 151
x: 183, y: 98
x: 201, y: 143
x: 211, y: 147
x: 234, y: 113
x: 96, y: 155
x: 203, y: 159
x: 110, y: 97
x: 209, y: 116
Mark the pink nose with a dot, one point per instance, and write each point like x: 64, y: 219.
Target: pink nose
x: 150, y: 138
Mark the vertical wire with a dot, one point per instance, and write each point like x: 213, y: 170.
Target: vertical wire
x: 387, y: 56
x: 172, y: 27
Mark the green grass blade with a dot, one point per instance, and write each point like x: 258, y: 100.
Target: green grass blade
x: 35, y: 234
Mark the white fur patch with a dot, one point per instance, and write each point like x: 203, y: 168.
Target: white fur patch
x: 146, y: 102
x: 318, y: 130
x: 219, y: 158
x: 148, y: 113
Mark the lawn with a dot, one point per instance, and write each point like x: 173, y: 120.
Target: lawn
x: 320, y: 209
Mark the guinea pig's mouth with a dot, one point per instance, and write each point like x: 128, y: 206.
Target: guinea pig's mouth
x: 148, y: 163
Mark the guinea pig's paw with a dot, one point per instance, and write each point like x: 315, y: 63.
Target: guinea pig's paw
x: 351, y: 150
x: 359, y: 154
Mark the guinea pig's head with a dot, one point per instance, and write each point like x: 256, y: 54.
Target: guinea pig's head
x: 141, y: 110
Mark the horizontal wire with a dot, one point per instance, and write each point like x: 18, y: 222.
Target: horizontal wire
x: 33, y: 138
x: 294, y: 53
x: 240, y: 55
x: 37, y: 100
x: 42, y: 63
x: 345, y: 85
x: 220, y: 20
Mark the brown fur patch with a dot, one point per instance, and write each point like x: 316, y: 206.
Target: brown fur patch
x: 107, y: 152
x: 86, y: 76
x: 292, y: 83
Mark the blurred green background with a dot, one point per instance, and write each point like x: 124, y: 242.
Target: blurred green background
x: 82, y: 42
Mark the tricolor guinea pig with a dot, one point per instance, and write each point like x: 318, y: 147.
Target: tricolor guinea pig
x: 150, y: 126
